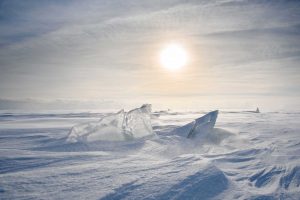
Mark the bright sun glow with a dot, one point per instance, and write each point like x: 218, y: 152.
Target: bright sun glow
x: 173, y: 57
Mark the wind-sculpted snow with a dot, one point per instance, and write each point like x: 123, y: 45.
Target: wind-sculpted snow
x: 246, y: 156
x: 115, y: 127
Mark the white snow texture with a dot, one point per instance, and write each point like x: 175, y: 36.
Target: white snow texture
x: 248, y: 155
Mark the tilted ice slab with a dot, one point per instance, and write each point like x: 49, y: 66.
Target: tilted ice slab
x: 200, y: 127
x: 115, y: 127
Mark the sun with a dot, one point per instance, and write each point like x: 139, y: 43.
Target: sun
x: 173, y: 57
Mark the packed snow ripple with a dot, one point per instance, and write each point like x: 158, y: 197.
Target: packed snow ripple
x: 246, y: 156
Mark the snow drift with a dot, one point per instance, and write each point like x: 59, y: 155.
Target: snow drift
x: 260, y: 161
x: 115, y: 127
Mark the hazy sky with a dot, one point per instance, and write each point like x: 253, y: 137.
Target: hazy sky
x: 242, y: 53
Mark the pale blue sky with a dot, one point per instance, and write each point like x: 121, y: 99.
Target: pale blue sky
x: 243, y: 53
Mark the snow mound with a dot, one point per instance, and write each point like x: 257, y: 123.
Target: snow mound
x: 120, y: 126
x: 208, y: 182
x: 200, y: 127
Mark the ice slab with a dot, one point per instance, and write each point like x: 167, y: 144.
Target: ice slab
x: 199, y: 127
x: 137, y: 122
x: 115, y: 127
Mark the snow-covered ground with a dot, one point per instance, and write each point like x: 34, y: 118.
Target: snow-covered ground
x: 248, y: 156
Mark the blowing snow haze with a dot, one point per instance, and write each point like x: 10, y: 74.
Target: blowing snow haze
x: 241, y: 53
x: 78, y: 80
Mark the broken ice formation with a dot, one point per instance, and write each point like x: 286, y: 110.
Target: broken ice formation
x: 115, y: 127
x: 199, y: 127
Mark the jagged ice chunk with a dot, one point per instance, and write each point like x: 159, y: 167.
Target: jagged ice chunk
x: 115, y: 127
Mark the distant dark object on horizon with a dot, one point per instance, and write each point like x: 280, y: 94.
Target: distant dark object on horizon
x: 256, y: 111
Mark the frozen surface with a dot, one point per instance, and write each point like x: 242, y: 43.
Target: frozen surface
x: 120, y: 126
x: 246, y: 156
